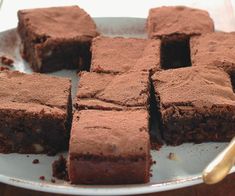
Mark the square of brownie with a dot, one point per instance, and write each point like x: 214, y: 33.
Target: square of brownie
x: 113, y: 92
x: 197, y: 104
x: 100, y: 150
x: 178, y: 20
x: 35, y: 113
x: 56, y: 38
x: 119, y: 55
x: 215, y: 49
x: 174, y: 25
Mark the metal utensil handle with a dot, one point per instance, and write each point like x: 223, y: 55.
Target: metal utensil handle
x: 221, y: 165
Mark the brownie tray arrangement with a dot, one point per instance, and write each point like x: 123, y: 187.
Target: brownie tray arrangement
x: 181, y: 77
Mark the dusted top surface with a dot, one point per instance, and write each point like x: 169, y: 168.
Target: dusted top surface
x: 194, y: 86
x: 110, y: 133
x: 70, y: 22
x: 119, y: 55
x: 107, y: 90
x: 168, y: 20
x: 33, y: 92
x: 214, y: 49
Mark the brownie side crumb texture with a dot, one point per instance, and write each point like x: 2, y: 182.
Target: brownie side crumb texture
x: 196, y: 104
x: 113, y: 92
x: 3, y: 68
x: 6, y: 61
x: 59, y: 168
x: 99, y: 150
x: 170, y: 20
x: 34, y: 112
x: 119, y: 55
x: 48, y: 45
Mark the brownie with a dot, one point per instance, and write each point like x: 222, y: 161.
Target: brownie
x: 119, y: 55
x: 175, y: 25
x: 113, y: 92
x: 215, y: 49
x: 56, y: 38
x: 35, y: 113
x: 173, y: 20
x: 197, y: 104
x: 100, y: 150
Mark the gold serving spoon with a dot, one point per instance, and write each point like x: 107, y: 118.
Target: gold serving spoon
x: 221, y: 165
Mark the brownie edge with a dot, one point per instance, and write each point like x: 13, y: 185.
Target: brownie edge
x: 35, y: 113
x: 56, y: 38
x: 100, y: 153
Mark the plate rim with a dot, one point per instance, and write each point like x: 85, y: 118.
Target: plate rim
x: 102, y: 189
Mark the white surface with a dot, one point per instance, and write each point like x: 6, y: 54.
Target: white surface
x: 120, y: 8
x: 18, y: 170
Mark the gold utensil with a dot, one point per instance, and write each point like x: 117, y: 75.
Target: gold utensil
x: 221, y: 165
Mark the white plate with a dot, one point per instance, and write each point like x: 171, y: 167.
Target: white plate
x: 18, y: 170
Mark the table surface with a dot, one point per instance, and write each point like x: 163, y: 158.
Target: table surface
x: 226, y: 187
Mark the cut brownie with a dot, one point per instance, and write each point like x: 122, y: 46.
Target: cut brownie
x: 56, y: 38
x: 119, y: 55
x: 214, y: 49
x: 176, y: 20
x: 175, y: 25
x: 196, y: 104
x: 35, y: 113
x: 100, y: 150
x: 113, y: 92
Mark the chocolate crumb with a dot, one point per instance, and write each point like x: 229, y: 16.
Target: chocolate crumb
x: 59, y: 169
x: 42, y: 177
x: 35, y: 161
x: 6, y: 61
x: 152, y: 162
x: 2, y: 68
x: 172, y: 156
x: 156, y: 144
x: 53, y: 180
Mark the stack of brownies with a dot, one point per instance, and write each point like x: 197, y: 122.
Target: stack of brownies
x: 190, y: 67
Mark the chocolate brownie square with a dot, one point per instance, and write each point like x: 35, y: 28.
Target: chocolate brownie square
x: 100, y: 150
x: 178, y: 20
x: 113, y: 92
x: 35, y: 113
x: 175, y: 25
x: 119, y: 55
x: 56, y: 38
x: 197, y: 104
x: 215, y: 49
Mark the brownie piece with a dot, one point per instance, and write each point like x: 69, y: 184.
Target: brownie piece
x: 197, y: 104
x: 100, y: 150
x: 119, y: 55
x: 173, y: 20
x: 214, y: 49
x: 35, y: 113
x: 113, y: 92
x: 175, y: 25
x: 56, y: 38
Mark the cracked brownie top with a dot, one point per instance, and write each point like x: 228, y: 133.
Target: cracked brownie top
x: 118, y: 92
